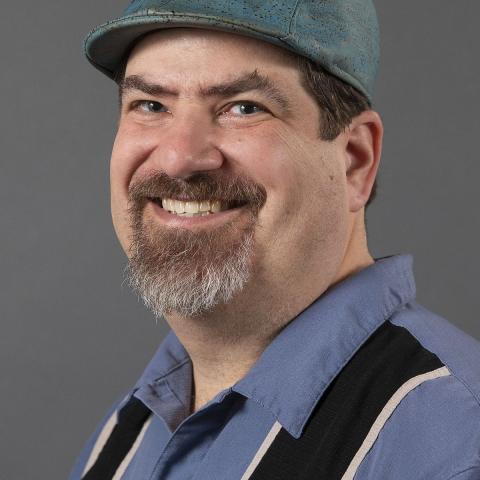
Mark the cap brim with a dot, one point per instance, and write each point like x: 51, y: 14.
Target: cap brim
x: 107, y: 45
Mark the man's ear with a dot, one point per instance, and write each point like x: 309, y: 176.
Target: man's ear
x: 363, y: 151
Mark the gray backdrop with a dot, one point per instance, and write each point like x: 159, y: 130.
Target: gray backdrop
x: 73, y: 339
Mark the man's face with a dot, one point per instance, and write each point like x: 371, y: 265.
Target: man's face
x: 224, y: 122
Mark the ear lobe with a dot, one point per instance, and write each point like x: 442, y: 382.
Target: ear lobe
x: 363, y: 152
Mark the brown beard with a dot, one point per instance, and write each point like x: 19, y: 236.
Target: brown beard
x: 185, y: 271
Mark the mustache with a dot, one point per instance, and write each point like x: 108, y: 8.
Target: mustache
x: 200, y: 186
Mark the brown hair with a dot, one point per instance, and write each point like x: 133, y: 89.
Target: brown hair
x: 339, y: 103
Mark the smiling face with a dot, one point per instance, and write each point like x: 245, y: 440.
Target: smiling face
x: 223, y: 123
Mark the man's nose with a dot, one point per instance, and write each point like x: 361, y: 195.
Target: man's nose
x: 185, y: 147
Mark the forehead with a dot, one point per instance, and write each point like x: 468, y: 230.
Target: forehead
x: 194, y: 56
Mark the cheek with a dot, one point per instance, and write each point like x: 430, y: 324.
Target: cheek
x: 130, y: 149
x: 306, y: 186
x: 297, y: 172
x: 267, y: 155
x: 128, y: 155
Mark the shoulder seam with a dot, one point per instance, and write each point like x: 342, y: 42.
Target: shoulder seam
x: 475, y: 395
x: 472, y: 393
x: 466, y: 470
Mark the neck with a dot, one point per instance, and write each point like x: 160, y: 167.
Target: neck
x: 224, y: 343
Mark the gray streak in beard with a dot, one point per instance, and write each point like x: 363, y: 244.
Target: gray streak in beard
x: 174, y: 269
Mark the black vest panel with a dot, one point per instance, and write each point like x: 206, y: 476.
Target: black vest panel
x: 348, y: 408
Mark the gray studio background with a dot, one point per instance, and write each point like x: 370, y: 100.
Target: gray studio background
x: 72, y: 338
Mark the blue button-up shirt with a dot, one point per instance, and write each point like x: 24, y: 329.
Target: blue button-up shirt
x: 433, y: 434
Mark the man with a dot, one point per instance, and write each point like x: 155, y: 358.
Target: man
x: 246, y: 153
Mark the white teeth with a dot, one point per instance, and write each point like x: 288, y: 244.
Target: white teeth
x: 204, y: 206
x: 193, y: 208
x: 215, y: 206
x: 177, y: 206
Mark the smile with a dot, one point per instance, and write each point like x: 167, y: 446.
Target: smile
x: 193, y: 208
x: 193, y: 214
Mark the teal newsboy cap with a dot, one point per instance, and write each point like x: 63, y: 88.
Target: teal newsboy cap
x: 340, y: 35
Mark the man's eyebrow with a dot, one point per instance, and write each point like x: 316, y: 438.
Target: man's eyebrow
x: 246, y: 83
x: 137, y: 82
x: 253, y: 81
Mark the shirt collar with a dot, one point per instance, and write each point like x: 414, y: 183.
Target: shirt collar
x: 309, y: 352
x: 165, y: 385
x: 297, y: 367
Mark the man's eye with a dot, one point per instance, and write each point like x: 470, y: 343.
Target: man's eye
x: 150, y: 106
x: 246, y: 109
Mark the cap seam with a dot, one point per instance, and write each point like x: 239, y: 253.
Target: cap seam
x: 294, y: 16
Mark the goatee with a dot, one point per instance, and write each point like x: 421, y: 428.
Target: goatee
x: 189, y: 272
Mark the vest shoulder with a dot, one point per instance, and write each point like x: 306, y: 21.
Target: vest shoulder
x: 457, y: 350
